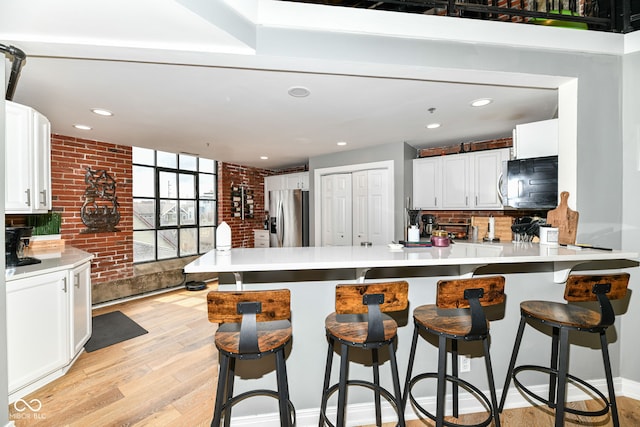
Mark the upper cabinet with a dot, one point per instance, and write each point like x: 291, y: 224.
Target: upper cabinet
x: 27, y: 160
x: 537, y: 139
x: 459, y: 181
x: 290, y: 181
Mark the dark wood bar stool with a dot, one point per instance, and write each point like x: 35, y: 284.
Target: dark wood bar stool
x: 360, y: 321
x: 457, y: 315
x: 253, y: 324
x: 564, y: 318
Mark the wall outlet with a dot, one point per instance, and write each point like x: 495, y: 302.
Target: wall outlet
x: 464, y: 363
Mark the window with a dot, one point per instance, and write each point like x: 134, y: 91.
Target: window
x: 174, y: 205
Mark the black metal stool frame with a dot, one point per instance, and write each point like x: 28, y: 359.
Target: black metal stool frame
x: 559, y: 364
x: 479, y: 331
x: 374, y: 341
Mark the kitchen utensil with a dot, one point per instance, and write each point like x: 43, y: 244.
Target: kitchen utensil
x: 565, y: 219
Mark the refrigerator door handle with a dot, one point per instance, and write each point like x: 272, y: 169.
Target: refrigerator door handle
x: 280, y: 229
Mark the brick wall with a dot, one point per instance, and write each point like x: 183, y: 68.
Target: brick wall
x: 491, y: 144
x: 70, y: 158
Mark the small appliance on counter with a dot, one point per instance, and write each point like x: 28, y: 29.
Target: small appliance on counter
x: 429, y: 224
x: 16, y: 241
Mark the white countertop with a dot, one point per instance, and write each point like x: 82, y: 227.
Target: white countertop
x: 470, y: 255
x: 52, y: 260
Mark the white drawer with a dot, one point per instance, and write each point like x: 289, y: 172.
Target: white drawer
x: 261, y: 244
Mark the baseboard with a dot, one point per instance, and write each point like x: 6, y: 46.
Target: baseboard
x: 364, y: 413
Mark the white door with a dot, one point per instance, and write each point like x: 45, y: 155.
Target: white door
x: 379, y: 214
x: 427, y: 183
x: 81, y: 307
x: 336, y: 210
x: 487, y: 166
x: 455, y: 185
x: 360, y: 207
x: 18, y: 159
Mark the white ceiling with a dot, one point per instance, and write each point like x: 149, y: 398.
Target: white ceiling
x: 183, y: 81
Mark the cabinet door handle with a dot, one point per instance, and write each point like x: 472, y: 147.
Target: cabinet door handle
x: 43, y: 201
x: 466, y: 200
x: 64, y: 284
x: 435, y: 201
x: 76, y: 279
x: 28, y: 193
x: 476, y: 200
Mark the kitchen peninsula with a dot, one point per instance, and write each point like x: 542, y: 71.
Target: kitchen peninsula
x: 532, y: 271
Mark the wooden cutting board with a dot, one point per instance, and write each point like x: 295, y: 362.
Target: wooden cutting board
x: 565, y: 219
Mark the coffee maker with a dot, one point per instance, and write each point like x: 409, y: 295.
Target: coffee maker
x: 429, y: 224
x: 16, y: 241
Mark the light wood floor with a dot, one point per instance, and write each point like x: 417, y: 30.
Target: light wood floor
x: 166, y: 377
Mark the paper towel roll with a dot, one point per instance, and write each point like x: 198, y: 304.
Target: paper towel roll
x: 492, y: 228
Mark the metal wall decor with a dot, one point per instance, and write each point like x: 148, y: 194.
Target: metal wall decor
x: 99, y: 211
x: 241, y: 202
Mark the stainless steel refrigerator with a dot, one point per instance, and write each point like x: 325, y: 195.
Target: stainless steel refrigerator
x: 289, y: 218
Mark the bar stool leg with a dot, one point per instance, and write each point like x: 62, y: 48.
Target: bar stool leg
x: 412, y: 356
x: 613, y: 406
x: 454, y: 372
x: 327, y: 378
x: 492, y: 385
x: 220, y: 390
x: 231, y: 375
x: 554, y: 366
x: 563, y: 364
x: 396, y: 384
x: 283, y: 389
x: 442, y: 371
x: 376, y: 380
x: 512, y: 363
x: 342, y: 386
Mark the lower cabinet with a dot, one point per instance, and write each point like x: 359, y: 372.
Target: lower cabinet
x: 48, y: 323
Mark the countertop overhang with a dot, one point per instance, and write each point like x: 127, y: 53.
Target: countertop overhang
x: 469, y: 256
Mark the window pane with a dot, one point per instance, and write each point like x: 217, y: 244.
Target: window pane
x: 167, y: 160
x: 187, y: 162
x: 144, y: 214
x: 207, y: 165
x: 187, y: 186
x: 144, y: 246
x: 207, y: 212
x: 167, y: 244
x: 168, y: 214
x: 187, y: 212
x: 206, y: 239
x: 143, y: 156
x: 168, y: 184
x: 207, y: 186
x: 188, y: 241
x: 144, y: 181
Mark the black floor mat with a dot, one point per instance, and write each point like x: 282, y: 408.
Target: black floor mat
x: 112, y: 328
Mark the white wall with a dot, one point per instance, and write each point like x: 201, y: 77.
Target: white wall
x: 4, y: 386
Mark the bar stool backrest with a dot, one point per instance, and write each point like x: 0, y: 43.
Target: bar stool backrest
x: 372, y: 299
x: 581, y: 288
x: 451, y: 293
x: 601, y: 288
x: 224, y: 306
x: 350, y: 298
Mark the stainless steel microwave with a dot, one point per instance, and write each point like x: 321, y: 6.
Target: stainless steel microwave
x: 530, y: 183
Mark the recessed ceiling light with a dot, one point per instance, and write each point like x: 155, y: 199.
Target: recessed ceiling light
x: 82, y: 127
x: 299, y: 91
x: 433, y: 125
x: 341, y: 143
x: 102, y: 112
x: 264, y: 158
x: 481, y: 102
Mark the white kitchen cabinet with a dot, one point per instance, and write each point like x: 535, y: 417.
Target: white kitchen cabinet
x: 290, y: 181
x: 459, y: 181
x: 260, y: 238
x: 48, y: 323
x: 80, y: 332
x: 27, y: 160
x: 486, y: 170
x: 537, y: 139
x: 456, y: 183
x: 37, y: 327
x: 427, y: 183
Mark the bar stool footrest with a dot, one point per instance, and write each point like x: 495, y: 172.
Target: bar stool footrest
x: 252, y: 393
x: 475, y: 391
x: 553, y: 405
x: 361, y: 383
